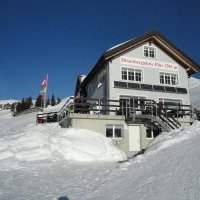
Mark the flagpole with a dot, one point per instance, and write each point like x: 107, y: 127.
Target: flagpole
x: 43, y: 91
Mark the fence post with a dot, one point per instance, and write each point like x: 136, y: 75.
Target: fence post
x: 122, y: 107
x: 156, y: 109
x: 191, y: 114
x: 99, y: 105
x: 58, y: 117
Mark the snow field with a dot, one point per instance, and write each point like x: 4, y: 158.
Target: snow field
x: 169, y: 169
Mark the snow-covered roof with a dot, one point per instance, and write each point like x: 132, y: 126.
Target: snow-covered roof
x: 118, y: 45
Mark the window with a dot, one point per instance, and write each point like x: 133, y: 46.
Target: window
x: 181, y: 90
x: 149, y: 52
x: 162, y: 79
x: 152, y: 132
x: 146, y: 52
x: 109, y: 132
x: 114, y: 131
x: 120, y: 84
x: 118, y: 132
x: 175, y: 101
x: 174, y: 79
x: 152, y: 53
x: 149, y: 133
x: 130, y: 102
x: 131, y: 74
x: 168, y: 79
x: 138, y: 75
x: 124, y: 74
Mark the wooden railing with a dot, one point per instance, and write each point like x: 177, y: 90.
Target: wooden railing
x: 103, y: 106
x: 108, y: 106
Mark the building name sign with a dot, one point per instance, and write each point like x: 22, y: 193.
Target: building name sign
x: 148, y: 63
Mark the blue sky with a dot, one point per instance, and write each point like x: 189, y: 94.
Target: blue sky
x: 65, y: 38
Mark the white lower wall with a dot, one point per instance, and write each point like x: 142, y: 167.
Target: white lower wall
x: 133, y: 136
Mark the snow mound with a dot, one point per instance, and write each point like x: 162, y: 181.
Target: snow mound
x: 168, y: 139
x: 22, y: 140
x: 85, y: 145
x: 51, y: 142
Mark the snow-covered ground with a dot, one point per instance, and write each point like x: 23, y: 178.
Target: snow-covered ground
x: 168, y: 170
x: 36, y: 163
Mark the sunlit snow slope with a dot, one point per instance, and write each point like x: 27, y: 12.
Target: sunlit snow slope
x: 169, y: 170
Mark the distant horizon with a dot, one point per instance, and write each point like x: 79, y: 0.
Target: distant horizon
x: 66, y: 38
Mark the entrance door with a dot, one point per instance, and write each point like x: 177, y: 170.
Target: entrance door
x: 134, y: 138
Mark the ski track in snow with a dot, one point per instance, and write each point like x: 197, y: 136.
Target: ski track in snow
x: 169, y: 169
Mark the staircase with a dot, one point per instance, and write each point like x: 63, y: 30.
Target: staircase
x: 155, y: 121
x: 154, y: 114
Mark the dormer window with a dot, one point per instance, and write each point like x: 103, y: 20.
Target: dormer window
x: 149, y: 52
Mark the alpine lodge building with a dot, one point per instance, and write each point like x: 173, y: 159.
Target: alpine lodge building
x: 136, y: 90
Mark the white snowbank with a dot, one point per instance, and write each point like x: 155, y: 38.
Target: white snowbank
x: 194, y: 82
x: 25, y: 141
x: 168, y: 139
x: 169, y: 169
x: 194, y: 85
x: 85, y: 145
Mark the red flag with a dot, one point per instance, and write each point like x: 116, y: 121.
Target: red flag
x: 44, y: 85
